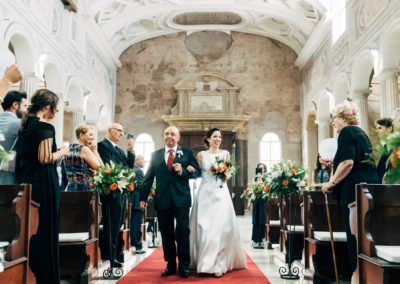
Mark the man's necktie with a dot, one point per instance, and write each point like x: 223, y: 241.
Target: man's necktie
x: 170, y: 160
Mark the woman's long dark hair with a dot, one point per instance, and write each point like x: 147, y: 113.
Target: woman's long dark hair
x: 40, y: 99
x: 318, y: 167
x: 209, y: 134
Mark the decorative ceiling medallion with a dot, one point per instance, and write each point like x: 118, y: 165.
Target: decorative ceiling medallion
x: 207, y: 18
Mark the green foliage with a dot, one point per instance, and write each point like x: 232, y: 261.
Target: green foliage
x: 113, y: 178
x: 392, y: 143
x: 255, y: 190
x: 285, y: 178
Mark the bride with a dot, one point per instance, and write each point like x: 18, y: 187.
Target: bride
x: 214, y: 236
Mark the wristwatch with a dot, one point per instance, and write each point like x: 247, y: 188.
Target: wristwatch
x: 334, y: 183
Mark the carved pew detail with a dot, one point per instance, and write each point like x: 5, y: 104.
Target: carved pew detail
x: 78, y: 234
x: 15, y: 231
x: 378, y: 233
x: 273, y: 222
x: 317, y: 246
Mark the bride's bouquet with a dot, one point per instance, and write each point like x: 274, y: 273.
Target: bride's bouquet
x: 222, y: 169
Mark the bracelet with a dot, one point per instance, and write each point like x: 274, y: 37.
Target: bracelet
x: 334, y: 183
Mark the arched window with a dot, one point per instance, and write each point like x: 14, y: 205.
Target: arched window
x: 144, y: 146
x: 270, y: 149
x: 338, y: 11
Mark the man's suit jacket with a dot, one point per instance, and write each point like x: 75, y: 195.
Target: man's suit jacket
x: 171, y: 188
x: 109, y: 153
x: 135, y: 195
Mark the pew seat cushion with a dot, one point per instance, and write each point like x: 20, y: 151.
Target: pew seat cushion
x: 295, y: 228
x: 324, y: 236
x: 73, y: 237
x: 274, y: 222
x: 4, y: 244
x: 389, y: 253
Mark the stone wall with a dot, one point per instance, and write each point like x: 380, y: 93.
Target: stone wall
x: 264, y: 70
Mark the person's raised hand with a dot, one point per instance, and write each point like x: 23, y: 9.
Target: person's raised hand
x: 13, y: 74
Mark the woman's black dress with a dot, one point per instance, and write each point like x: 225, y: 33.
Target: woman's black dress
x: 353, y: 144
x: 258, y: 219
x: 43, y: 253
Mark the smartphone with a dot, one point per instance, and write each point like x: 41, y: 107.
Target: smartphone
x: 131, y: 136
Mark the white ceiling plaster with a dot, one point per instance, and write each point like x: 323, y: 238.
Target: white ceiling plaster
x: 126, y: 22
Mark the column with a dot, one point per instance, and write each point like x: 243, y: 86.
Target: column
x: 361, y: 100
x: 59, y: 122
x: 323, y: 130
x: 77, y: 119
x: 29, y: 84
x: 389, y: 92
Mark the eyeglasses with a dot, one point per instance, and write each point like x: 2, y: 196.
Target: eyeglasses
x: 119, y: 130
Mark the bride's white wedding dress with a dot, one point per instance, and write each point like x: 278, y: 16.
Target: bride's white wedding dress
x: 214, y: 235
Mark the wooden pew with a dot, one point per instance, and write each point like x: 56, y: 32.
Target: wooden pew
x: 318, y: 260
x: 294, y: 232
x: 272, y: 227
x: 378, y: 233
x: 78, y: 235
x: 17, y: 224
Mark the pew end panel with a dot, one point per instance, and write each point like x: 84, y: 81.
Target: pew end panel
x: 378, y: 232
x: 272, y: 227
x: 78, y: 235
x: 16, y: 227
x: 318, y: 252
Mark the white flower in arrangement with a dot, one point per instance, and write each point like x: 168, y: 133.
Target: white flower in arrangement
x: 179, y: 153
x: 2, y: 138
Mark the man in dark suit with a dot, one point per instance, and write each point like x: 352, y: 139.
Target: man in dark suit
x: 113, y: 205
x: 169, y: 165
x: 136, y: 211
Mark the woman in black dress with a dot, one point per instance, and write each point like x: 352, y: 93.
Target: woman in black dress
x: 351, y: 165
x: 35, y: 164
x: 258, y: 211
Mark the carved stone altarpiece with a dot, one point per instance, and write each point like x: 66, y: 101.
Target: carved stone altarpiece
x: 206, y: 100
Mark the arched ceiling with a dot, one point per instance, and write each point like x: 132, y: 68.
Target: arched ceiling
x: 126, y: 22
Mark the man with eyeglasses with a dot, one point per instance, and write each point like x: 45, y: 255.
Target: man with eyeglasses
x: 113, y: 205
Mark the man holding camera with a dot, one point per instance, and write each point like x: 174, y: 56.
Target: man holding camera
x: 113, y: 205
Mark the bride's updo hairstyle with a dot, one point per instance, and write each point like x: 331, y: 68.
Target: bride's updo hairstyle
x: 209, y: 134
x: 40, y: 99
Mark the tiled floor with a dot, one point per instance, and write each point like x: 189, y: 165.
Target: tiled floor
x: 265, y: 259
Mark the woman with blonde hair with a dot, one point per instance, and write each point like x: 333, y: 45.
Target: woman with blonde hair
x: 83, y: 159
x: 352, y: 164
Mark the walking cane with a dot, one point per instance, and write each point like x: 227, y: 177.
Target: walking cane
x: 331, y: 235
x: 328, y: 218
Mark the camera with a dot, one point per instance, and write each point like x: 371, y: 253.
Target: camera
x: 131, y: 136
x: 259, y: 171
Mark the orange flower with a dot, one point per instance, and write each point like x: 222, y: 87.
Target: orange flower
x: 108, y: 171
x: 260, y: 183
x: 131, y: 187
x: 397, y: 152
x: 248, y: 189
x: 224, y: 167
x: 393, y: 160
x: 218, y: 169
x: 266, y: 188
x: 285, y: 182
x: 113, y: 186
x: 293, y: 171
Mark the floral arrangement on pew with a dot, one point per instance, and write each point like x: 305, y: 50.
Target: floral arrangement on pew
x: 285, y: 178
x: 112, y: 178
x: 256, y: 190
x: 392, y: 145
x: 5, y: 155
x: 222, y: 169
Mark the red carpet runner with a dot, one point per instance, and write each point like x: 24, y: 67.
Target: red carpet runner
x: 149, y: 270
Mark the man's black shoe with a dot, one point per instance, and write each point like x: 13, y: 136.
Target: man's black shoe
x: 184, y: 273
x: 140, y: 251
x: 168, y: 271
